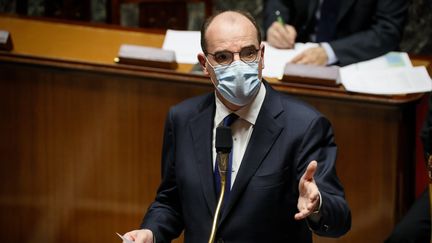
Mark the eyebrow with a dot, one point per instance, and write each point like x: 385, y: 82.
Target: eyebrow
x: 249, y: 46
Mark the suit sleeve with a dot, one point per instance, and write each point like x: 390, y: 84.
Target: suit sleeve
x: 383, y: 35
x: 318, y: 144
x: 164, y: 217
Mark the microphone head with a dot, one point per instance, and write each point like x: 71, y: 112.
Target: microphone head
x: 223, y: 139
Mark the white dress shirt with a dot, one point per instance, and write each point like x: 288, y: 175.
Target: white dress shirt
x: 241, y: 129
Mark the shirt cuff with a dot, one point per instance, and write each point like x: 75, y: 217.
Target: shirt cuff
x: 332, y: 59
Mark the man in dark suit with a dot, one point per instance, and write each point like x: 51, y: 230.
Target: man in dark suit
x: 283, y: 182
x: 349, y: 30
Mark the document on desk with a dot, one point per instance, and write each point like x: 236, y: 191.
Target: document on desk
x: 275, y: 59
x: 387, y: 61
x: 185, y: 44
x: 391, y: 74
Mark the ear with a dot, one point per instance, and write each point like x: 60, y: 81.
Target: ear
x: 262, y: 46
x: 203, y: 62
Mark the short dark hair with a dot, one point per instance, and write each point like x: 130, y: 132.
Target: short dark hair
x: 210, y: 19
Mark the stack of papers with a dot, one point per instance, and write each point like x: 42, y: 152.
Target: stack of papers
x: 390, y: 74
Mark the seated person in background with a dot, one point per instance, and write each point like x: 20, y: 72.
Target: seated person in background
x: 349, y: 31
x: 415, y: 227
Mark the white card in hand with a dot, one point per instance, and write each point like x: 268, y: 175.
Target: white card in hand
x: 124, y: 239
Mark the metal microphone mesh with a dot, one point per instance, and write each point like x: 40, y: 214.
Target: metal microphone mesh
x: 223, y: 139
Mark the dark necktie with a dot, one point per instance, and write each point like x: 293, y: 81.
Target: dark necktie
x: 227, y: 122
x: 326, y: 26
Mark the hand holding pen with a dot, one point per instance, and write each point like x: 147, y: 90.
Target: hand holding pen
x: 281, y: 35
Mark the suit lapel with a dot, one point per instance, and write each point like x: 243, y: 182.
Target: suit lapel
x: 265, y: 133
x: 201, y: 130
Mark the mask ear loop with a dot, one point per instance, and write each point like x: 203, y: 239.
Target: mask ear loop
x: 208, y: 61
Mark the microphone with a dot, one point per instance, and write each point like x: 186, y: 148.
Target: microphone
x: 223, y: 146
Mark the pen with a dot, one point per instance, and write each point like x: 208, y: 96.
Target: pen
x: 279, y: 17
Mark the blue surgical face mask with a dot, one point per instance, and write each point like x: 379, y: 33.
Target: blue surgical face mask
x: 238, y: 82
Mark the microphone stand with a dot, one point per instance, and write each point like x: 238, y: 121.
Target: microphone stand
x: 222, y: 164
x: 223, y: 144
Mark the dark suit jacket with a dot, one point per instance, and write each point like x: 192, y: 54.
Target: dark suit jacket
x: 288, y: 134
x: 365, y: 28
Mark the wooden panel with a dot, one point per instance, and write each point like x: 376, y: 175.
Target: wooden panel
x: 79, y: 151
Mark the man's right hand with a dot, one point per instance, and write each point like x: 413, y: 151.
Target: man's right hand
x: 140, y: 236
x: 281, y: 36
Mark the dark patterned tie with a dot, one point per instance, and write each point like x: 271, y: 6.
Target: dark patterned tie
x: 227, y: 122
x: 326, y: 26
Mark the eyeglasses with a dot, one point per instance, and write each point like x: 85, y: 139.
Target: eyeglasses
x: 247, y: 54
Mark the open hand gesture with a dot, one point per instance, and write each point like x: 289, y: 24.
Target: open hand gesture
x: 309, y: 198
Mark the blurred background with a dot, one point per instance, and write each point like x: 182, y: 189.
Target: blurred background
x: 417, y: 38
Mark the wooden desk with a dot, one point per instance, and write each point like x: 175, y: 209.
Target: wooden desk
x: 81, y: 137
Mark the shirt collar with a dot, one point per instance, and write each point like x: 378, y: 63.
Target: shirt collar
x: 248, y: 113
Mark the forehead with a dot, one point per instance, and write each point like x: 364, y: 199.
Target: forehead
x: 230, y: 31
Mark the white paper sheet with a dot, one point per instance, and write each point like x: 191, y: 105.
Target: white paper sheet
x: 276, y: 59
x: 402, y: 80
x: 387, y: 61
x: 185, y: 44
x: 390, y: 74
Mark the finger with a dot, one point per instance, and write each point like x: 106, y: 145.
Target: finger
x: 314, y: 196
x: 301, y: 215
x: 310, y: 170
x: 298, y: 58
x: 140, y: 236
x: 278, y: 36
x: 309, y: 203
x: 278, y: 40
x: 143, y: 238
x: 313, y: 204
x: 273, y: 37
x: 284, y: 34
x: 306, y: 210
x: 292, y: 34
x: 130, y: 235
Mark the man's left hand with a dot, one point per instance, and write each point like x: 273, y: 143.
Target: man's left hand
x: 309, y: 198
x: 313, y: 56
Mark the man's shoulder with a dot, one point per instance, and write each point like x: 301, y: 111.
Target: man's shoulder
x: 295, y: 106
x: 194, y: 104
